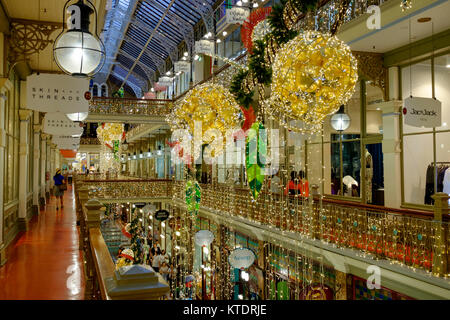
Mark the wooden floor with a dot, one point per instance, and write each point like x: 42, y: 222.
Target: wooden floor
x: 45, y: 263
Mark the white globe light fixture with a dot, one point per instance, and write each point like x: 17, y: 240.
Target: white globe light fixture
x: 340, y: 121
x: 78, y: 116
x: 76, y: 50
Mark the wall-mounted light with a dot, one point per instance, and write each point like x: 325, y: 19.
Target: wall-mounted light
x: 76, y: 50
x: 78, y: 116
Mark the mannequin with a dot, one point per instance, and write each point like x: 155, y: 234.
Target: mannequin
x: 369, y: 175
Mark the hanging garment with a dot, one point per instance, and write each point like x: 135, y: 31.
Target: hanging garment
x: 429, y: 184
x: 429, y: 187
x: 446, y: 183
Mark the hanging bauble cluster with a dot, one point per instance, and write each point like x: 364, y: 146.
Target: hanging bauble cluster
x: 210, y: 105
x: 109, y: 132
x: 313, y: 75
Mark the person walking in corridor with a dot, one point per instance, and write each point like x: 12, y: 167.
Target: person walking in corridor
x: 59, y: 187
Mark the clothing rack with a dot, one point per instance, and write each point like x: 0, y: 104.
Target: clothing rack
x: 434, y: 186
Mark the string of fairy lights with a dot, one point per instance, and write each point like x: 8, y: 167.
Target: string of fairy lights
x: 313, y: 75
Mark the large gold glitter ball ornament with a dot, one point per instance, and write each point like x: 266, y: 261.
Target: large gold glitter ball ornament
x: 109, y: 132
x: 313, y: 75
x: 210, y: 104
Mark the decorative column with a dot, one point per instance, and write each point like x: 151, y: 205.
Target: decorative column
x: 48, y: 159
x: 440, y: 250
x: 391, y: 153
x: 43, y: 168
x: 24, y: 116
x: 53, y: 150
x: 36, y: 162
x: 5, y: 84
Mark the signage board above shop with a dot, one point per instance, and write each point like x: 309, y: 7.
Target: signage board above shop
x: 56, y: 92
x: 236, y: 15
x: 162, y: 215
x: 182, y: 66
x: 204, y: 238
x: 205, y: 47
x: 57, y: 123
x: 241, y: 258
x: 165, y: 81
x: 422, y: 112
x: 66, y: 142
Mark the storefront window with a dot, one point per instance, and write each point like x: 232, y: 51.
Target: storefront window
x: 345, y: 168
x: 432, y: 164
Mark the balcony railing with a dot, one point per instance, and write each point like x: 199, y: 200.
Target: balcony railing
x: 129, y: 189
x: 407, y: 237
x: 122, y: 106
x: 89, y: 141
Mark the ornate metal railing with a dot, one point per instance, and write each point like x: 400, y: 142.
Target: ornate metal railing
x: 407, y: 237
x: 129, y: 189
x: 138, y: 130
x: 125, y: 106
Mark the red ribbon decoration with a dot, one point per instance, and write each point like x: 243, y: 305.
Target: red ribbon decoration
x: 127, y: 256
x: 250, y: 118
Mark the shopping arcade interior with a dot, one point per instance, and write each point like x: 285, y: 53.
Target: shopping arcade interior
x: 302, y: 156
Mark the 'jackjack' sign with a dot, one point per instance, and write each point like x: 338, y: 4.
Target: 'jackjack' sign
x: 422, y: 112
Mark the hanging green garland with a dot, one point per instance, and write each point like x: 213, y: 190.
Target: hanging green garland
x: 244, y: 99
x: 257, y: 65
x: 280, y: 31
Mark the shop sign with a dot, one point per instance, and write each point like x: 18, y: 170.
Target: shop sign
x: 241, y: 258
x: 56, y: 123
x: 237, y: 15
x: 182, y: 66
x: 203, y: 238
x: 66, y: 142
x: 161, y: 215
x: 422, y: 112
x: 56, y: 92
x: 205, y: 47
x: 165, y: 81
